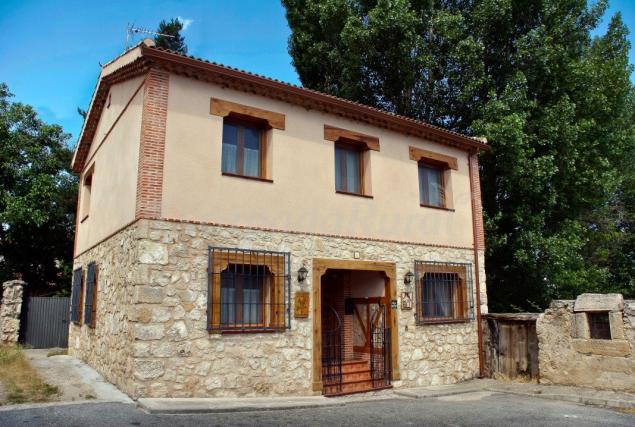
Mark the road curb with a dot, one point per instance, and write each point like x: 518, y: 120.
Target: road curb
x: 584, y: 400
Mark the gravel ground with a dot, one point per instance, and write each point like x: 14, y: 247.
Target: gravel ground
x: 471, y: 409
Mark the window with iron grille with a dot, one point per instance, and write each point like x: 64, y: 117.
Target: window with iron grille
x: 249, y: 291
x: 444, y: 292
x: 77, y: 293
x: 90, y: 304
x: 599, y: 325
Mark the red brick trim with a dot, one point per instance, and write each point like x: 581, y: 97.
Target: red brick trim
x: 152, y: 146
x: 477, y: 210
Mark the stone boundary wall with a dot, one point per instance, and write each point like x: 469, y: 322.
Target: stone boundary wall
x: 161, y: 304
x: 12, y: 296
x: 567, y: 355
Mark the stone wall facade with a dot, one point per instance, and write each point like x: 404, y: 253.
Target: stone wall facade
x: 567, y: 353
x: 10, y: 310
x: 109, y: 346
x: 151, y: 336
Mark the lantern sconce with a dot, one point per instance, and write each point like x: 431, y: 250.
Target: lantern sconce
x: 407, y: 280
x: 302, y: 272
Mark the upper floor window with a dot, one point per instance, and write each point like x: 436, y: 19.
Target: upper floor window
x: 352, y: 160
x: 435, y: 173
x: 431, y: 185
x: 348, y: 169
x: 242, y: 149
x: 87, y: 186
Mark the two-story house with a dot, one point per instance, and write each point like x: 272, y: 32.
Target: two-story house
x: 239, y: 236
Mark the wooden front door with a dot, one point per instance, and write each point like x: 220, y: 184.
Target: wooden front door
x: 365, y: 317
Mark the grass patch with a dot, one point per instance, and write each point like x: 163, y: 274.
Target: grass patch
x: 57, y: 352
x: 21, y: 381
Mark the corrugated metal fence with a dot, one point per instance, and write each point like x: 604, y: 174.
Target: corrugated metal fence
x: 45, y: 322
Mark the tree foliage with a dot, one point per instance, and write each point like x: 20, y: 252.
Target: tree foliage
x: 555, y: 104
x: 37, y: 199
x: 171, y: 28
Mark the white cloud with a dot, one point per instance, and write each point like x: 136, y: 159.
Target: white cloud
x: 185, y: 21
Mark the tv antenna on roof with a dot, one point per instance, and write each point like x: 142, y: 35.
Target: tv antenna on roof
x: 131, y: 30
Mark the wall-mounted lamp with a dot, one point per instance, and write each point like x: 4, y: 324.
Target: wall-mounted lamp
x: 302, y: 272
x: 407, y: 279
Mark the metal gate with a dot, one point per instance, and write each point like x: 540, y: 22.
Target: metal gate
x: 331, y: 349
x: 44, y: 322
x: 380, y: 355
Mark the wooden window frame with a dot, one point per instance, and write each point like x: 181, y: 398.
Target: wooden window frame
x: 347, y: 147
x: 87, y: 190
x: 274, y: 290
x: 461, y: 301
x: 426, y: 188
x: 242, y: 123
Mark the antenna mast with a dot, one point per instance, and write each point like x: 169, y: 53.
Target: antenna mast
x: 131, y: 30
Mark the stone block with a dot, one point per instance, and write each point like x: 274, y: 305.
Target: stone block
x: 149, y: 332
x: 148, y: 369
x: 617, y: 325
x: 152, y: 252
x: 615, y: 348
x: 599, y: 302
x: 149, y: 295
x: 580, y: 326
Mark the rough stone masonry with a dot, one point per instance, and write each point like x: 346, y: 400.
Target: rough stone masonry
x: 151, y: 336
x: 12, y: 294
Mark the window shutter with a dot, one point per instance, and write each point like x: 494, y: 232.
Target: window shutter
x: 89, y: 299
x: 76, y: 291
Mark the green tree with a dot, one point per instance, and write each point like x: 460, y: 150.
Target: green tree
x: 555, y: 104
x: 37, y: 199
x: 172, y: 39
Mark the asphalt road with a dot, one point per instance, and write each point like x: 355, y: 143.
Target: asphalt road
x: 474, y: 409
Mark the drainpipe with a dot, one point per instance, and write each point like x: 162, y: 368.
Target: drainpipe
x: 481, y: 362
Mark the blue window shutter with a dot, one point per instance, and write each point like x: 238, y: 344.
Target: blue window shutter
x: 76, y: 290
x: 90, y: 291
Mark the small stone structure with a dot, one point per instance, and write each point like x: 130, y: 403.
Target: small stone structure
x: 570, y: 353
x: 10, y: 310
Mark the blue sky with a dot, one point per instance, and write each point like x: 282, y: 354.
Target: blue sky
x: 52, y: 61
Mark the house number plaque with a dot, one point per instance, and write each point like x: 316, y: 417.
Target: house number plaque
x: 301, y: 305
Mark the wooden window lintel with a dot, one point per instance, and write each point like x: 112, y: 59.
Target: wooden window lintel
x: 222, y: 108
x: 418, y: 154
x: 332, y: 133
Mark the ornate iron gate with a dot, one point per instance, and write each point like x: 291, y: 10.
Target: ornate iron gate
x: 331, y: 349
x: 380, y: 355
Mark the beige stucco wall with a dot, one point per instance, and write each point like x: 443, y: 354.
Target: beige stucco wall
x: 302, y: 196
x: 114, y: 185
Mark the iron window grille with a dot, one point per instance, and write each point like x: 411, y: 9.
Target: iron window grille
x: 77, y: 288
x: 443, y: 292
x: 90, y: 304
x: 599, y: 325
x: 249, y: 290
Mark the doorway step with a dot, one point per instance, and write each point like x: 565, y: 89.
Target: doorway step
x: 356, y: 378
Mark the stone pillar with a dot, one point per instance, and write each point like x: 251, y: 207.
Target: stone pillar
x: 10, y: 310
